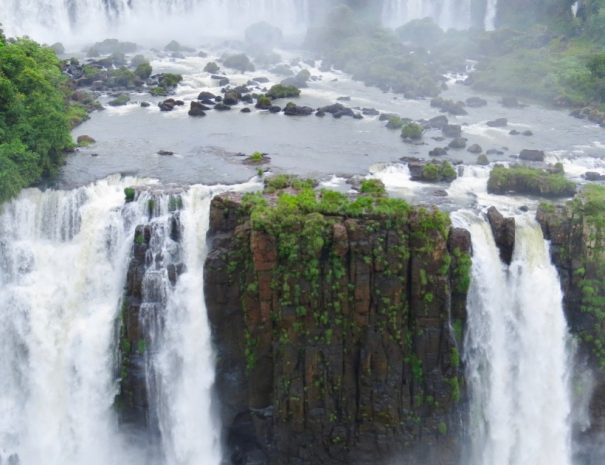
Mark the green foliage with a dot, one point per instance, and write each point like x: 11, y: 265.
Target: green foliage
x: 530, y: 181
x: 129, y: 194
x: 257, y: 157
x: 284, y: 181
x: 283, y: 91
x: 373, y: 187
x: 120, y: 100
x: 34, y: 115
x: 437, y: 172
x: 263, y: 101
x: 169, y: 80
x: 143, y: 70
x: 412, y: 131
x: 462, y: 271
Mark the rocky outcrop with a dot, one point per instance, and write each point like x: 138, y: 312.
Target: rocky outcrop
x: 503, y: 230
x: 577, y: 245
x: 338, y: 338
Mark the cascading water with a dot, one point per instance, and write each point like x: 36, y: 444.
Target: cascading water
x: 63, y: 262
x: 449, y: 14
x: 490, y: 15
x: 516, y: 351
x: 146, y: 20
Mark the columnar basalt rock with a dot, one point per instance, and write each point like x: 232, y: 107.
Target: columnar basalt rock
x: 338, y: 338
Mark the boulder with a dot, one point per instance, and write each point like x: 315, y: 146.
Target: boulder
x: 452, y: 130
x: 205, y: 95
x: 532, y: 155
x: 591, y: 176
x: 211, y: 68
x: 438, y: 152
x: 503, y: 230
x: 239, y: 61
x: 438, y: 122
x: 337, y: 110
x: 475, y: 102
x: 458, y: 143
x: 197, y: 109
x: 498, y: 123
x: 510, y: 102
x: 292, y: 109
x: 482, y: 160
x: 299, y: 81
x: 231, y: 97
x: 475, y: 148
x: 274, y: 109
x: 222, y: 107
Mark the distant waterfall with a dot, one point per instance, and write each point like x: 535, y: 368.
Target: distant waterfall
x: 516, y: 351
x: 449, y: 14
x: 63, y: 262
x: 147, y: 20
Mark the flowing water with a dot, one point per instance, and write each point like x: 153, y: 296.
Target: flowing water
x: 147, y: 20
x: 63, y: 261
x: 449, y: 14
x: 517, y: 352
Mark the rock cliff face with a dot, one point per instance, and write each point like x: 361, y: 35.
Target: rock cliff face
x: 577, y: 234
x: 338, y: 339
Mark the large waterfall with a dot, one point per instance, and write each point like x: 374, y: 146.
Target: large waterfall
x: 516, y: 352
x: 63, y: 262
x: 146, y: 20
x: 449, y: 14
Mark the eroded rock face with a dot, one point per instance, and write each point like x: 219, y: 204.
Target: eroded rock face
x: 338, y: 339
x: 503, y: 230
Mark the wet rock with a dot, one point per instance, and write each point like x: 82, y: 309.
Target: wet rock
x: 344, y: 99
x: 337, y: 110
x: 239, y: 62
x: 438, y: 122
x: 475, y: 148
x: 458, y: 143
x: 503, y: 230
x: 594, y: 176
x: 370, y: 112
x: 449, y: 106
x: 438, y: 152
x: 299, y: 81
x: 245, y: 110
x: 514, y: 132
x: 261, y: 80
x: 197, y: 109
x: 165, y: 153
x: 292, y: 109
x: 482, y: 160
x: 527, y: 133
x: 274, y: 109
x: 145, y: 104
x: 475, y: 102
x: 452, y: 130
x: 174, y: 46
x: 222, y: 107
x: 494, y: 152
x: 167, y: 105
x: 85, y: 140
x: 231, y: 98
x: 211, y: 68
x: 532, y: 155
x: 498, y: 123
x: 205, y: 95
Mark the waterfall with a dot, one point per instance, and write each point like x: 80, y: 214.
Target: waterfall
x: 448, y: 14
x: 63, y: 262
x: 516, y: 351
x: 490, y: 15
x: 152, y: 21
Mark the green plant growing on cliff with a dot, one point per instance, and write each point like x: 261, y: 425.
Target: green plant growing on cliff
x: 129, y: 194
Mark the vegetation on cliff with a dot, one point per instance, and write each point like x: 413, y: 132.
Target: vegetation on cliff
x: 34, y: 114
x: 352, y: 311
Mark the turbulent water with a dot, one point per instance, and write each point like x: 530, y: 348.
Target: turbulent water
x: 63, y: 261
x: 516, y: 352
x: 147, y: 20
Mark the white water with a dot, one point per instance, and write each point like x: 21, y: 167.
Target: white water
x: 516, y: 351
x: 146, y: 21
x: 448, y: 14
x: 490, y: 15
x: 63, y: 261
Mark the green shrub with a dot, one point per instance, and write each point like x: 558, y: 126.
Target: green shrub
x: 373, y: 187
x: 412, y: 131
x: 282, y: 91
x: 129, y: 194
x: 143, y: 71
x: 529, y: 181
x: 120, y: 100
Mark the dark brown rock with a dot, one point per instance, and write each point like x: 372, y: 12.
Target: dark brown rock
x: 503, y: 230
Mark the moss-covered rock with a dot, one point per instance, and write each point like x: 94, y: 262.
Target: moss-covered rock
x: 529, y: 181
x: 331, y: 317
x: 283, y: 91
